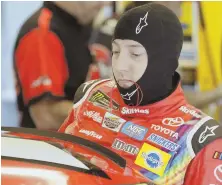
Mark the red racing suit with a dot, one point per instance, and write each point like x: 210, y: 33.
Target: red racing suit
x: 169, y: 142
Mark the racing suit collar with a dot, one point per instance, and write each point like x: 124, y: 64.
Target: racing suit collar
x: 160, y: 108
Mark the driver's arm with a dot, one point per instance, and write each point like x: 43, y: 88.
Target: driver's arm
x: 204, y: 143
x: 70, y: 119
x: 206, y: 167
x: 42, y: 72
x: 80, y: 96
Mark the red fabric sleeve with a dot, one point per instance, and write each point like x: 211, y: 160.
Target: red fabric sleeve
x: 41, y: 64
x: 67, y: 122
x: 206, y: 167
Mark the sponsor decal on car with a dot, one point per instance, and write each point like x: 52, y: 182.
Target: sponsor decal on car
x: 94, y: 115
x: 152, y: 159
x: 217, y: 155
x: 90, y: 133
x: 189, y: 111
x: 112, y: 122
x: 159, y: 140
x: 165, y: 131
x: 135, y: 131
x: 100, y: 99
x: 128, y: 111
x: 128, y: 148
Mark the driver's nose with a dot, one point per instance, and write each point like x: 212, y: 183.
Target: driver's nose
x: 121, y: 65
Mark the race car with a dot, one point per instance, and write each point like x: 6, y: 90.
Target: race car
x: 36, y: 157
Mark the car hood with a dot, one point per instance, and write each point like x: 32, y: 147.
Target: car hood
x: 31, y: 156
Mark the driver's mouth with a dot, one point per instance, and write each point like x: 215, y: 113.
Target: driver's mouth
x: 125, y: 83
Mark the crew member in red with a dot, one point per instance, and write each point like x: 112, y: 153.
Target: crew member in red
x: 142, y: 114
x: 51, y: 60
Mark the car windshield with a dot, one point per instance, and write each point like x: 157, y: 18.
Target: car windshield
x: 7, y: 131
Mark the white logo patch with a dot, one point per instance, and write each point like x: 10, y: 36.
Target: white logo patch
x: 90, y: 133
x: 174, y: 122
x: 188, y: 111
x: 42, y: 80
x: 143, y: 23
x: 218, y: 173
x: 209, y: 131
x: 165, y: 131
x: 126, y: 110
x: 128, y: 96
x: 94, y: 115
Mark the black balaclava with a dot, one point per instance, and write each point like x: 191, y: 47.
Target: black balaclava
x: 159, y: 31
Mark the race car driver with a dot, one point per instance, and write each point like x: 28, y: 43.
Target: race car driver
x: 101, y: 47
x: 142, y: 114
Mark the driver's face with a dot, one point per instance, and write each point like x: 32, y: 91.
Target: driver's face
x: 129, y: 61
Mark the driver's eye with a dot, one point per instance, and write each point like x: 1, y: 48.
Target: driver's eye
x: 136, y: 55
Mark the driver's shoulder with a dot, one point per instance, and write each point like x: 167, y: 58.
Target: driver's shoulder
x: 205, y: 130
x: 84, y: 90
x: 202, y: 128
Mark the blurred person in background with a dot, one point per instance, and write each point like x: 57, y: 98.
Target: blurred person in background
x: 101, y: 48
x: 51, y: 60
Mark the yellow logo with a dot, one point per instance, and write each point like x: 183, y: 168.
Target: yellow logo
x: 152, y: 159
